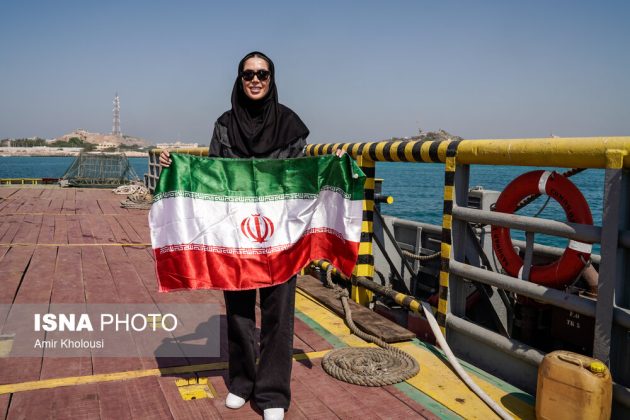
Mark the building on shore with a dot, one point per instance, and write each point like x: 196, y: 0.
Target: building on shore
x: 107, y: 145
x: 177, y: 145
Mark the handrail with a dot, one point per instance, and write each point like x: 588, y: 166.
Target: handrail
x: 577, y: 231
x: 579, y: 152
x: 196, y: 151
x: 535, y: 291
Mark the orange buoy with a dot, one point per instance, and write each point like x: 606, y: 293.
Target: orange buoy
x: 564, y: 270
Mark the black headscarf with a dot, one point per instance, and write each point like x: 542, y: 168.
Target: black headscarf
x: 258, y: 127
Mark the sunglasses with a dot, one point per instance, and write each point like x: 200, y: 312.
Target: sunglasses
x: 248, y: 75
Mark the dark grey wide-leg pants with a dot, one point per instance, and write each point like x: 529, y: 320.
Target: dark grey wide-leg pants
x: 269, y: 382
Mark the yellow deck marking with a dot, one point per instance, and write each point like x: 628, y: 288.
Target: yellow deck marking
x: 435, y: 379
x: 131, y: 374
x: 6, y: 344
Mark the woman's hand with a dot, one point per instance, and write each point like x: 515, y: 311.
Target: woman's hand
x: 340, y: 152
x: 165, y: 158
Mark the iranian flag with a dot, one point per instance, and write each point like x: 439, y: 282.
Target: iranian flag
x: 236, y: 224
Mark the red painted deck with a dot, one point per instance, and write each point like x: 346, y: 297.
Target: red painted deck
x: 65, y: 246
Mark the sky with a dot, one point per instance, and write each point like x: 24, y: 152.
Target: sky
x: 353, y: 71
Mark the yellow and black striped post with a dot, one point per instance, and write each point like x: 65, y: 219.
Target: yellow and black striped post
x: 447, y: 222
x: 365, y: 260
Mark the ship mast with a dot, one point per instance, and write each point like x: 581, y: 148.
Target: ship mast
x: 116, y: 128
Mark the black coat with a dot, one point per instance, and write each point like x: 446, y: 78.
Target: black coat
x: 220, y: 146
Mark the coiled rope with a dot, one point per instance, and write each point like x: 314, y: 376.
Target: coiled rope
x: 129, y: 189
x: 138, y: 197
x: 366, y: 366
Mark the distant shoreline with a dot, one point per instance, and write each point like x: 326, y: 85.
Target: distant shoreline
x: 58, y: 153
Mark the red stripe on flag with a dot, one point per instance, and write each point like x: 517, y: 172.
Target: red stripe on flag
x: 198, y: 269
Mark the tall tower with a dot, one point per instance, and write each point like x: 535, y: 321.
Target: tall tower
x: 116, y: 129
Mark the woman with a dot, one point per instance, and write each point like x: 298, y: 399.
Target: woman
x: 258, y: 126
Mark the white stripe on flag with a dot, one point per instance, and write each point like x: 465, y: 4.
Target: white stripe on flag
x: 217, y: 223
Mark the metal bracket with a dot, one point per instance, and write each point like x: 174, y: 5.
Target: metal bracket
x: 195, y: 388
x: 6, y: 344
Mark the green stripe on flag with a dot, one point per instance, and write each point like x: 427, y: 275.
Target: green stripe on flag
x: 259, y: 179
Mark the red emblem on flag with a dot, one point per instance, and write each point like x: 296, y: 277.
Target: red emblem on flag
x: 256, y: 227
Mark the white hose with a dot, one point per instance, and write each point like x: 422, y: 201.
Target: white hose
x: 458, y: 368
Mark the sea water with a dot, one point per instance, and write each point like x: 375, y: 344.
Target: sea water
x: 417, y: 188
x: 418, y: 192
x: 51, y: 167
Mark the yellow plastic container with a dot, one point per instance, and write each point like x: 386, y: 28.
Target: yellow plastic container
x: 573, y: 386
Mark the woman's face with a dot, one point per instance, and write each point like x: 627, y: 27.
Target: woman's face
x: 255, y: 89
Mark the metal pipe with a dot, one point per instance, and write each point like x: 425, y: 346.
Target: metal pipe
x: 551, y: 250
x: 437, y: 230
x: 433, y: 229
x: 529, y: 254
x: 392, y: 267
x: 568, y: 152
x: 535, y: 291
x: 621, y: 394
x: 584, y: 152
x: 621, y: 316
x: 393, y: 241
x: 507, y: 345
x: 579, y: 232
x: 402, y: 299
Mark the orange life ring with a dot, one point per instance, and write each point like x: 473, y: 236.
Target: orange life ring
x: 564, y: 270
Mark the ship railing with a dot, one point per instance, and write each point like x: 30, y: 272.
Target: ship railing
x: 476, y: 343
x: 153, y: 174
x: 27, y: 181
x: 473, y: 342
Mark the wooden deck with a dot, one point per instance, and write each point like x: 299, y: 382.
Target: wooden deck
x: 80, y: 246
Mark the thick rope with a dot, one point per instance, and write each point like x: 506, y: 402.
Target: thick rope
x: 366, y: 366
x: 139, y: 197
x: 129, y: 189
